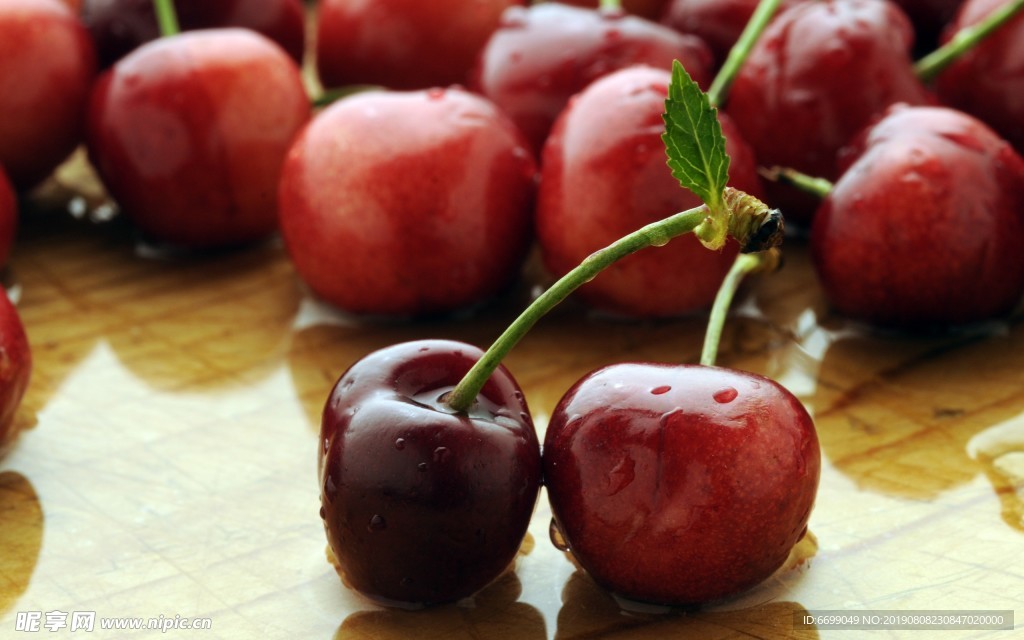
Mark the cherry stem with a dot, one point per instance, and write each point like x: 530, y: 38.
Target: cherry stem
x: 809, y: 184
x: 739, y: 52
x: 655, y: 234
x: 610, y: 6
x: 930, y: 66
x: 744, y: 264
x: 166, y: 17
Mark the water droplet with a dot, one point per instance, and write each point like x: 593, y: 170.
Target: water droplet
x: 435, y: 93
x: 424, y: 349
x: 323, y: 513
x: 330, y: 489
x: 422, y: 466
x: 377, y: 523
x: 726, y: 395
x: 660, y: 390
x: 612, y: 35
x: 557, y: 539
x: 400, y: 444
x: 441, y: 454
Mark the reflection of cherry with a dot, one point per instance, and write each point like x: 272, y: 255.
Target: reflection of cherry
x: 47, y: 64
x: 21, y: 536
x: 680, y: 484
x: 421, y: 504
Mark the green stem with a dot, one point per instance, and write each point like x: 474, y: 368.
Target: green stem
x: 741, y: 50
x: 809, y: 184
x: 744, y: 264
x: 930, y: 66
x: 655, y: 234
x: 610, y: 6
x: 166, y: 17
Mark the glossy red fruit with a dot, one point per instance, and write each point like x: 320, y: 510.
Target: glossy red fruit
x: 402, y: 44
x: 8, y: 218
x: 718, y: 22
x: 988, y: 81
x: 408, y: 203
x: 604, y: 175
x: 649, y: 9
x: 47, y: 65
x: 15, y: 370
x: 422, y: 505
x: 189, y: 134
x: 119, y: 26
x: 680, y: 484
x: 541, y: 56
x: 819, y: 74
x: 926, y: 225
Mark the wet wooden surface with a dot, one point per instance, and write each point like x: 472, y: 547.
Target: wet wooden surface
x: 168, y: 461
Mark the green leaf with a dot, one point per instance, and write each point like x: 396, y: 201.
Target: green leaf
x: 694, y: 141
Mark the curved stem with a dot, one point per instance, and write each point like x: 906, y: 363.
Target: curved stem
x: 744, y: 264
x: 741, y: 50
x: 166, y: 17
x: 809, y: 184
x: 655, y: 234
x: 930, y: 66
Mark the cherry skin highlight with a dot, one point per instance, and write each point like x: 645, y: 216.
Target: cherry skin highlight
x: 926, y: 224
x: 47, y: 66
x: 680, y: 484
x: 408, y: 203
x: 604, y: 175
x: 422, y: 505
x: 542, y: 55
x: 189, y: 132
x: 820, y: 73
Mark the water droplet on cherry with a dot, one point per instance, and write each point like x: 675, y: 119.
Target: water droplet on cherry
x: 377, y: 523
x: 422, y: 466
x: 400, y: 444
x: 660, y: 390
x: 726, y: 395
x: 557, y: 539
x: 441, y: 454
x: 323, y: 513
x: 435, y: 93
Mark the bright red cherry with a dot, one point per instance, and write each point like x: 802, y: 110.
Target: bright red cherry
x: 189, y: 134
x: 47, y: 66
x: 680, y: 484
x: 422, y: 505
x: 604, y: 175
x: 820, y: 73
x: 408, y: 203
x: 402, y: 44
x: 119, y: 26
x: 542, y: 56
x: 926, y: 224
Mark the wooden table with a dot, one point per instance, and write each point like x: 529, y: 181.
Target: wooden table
x: 168, y: 462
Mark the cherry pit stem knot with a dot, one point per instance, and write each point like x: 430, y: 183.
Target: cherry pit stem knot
x: 748, y: 220
x: 166, y: 17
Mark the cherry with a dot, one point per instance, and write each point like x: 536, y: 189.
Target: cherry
x: 925, y: 226
x: 539, y: 57
x: 819, y: 74
x: 402, y: 44
x: 595, y: 188
x: 8, y: 217
x: 47, y: 65
x: 16, y: 369
x: 422, y: 504
x: 719, y: 23
x: 119, y: 26
x: 189, y: 133
x: 680, y: 484
x: 988, y: 81
x: 408, y: 203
